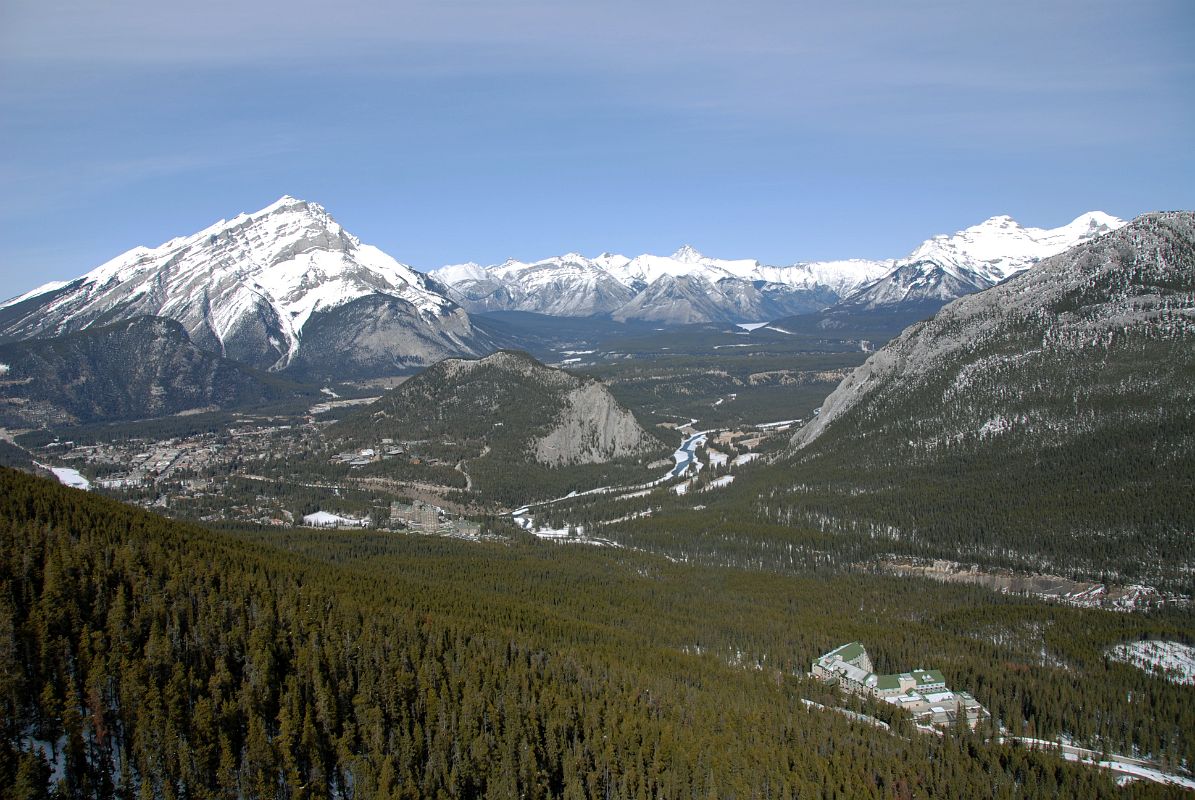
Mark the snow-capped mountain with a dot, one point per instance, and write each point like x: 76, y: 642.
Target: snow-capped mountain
x: 947, y: 267
x: 689, y: 287
x: 682, y: 288
x: 275, y: 289
x: 566, y: 286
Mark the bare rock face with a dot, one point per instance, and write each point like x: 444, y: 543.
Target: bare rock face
x: 593, y: 429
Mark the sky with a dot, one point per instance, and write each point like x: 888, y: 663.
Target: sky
x: 446, y: 131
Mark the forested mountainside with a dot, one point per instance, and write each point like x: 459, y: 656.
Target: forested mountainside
x: 140, y: 368
x: 145, y: 657
x: 1048, y: 422
x: 514, y: 420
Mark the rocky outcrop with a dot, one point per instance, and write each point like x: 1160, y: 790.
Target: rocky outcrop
x: 593, y: 429
x: 510, y: 405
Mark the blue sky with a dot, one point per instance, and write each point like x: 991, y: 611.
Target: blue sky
x: 455, y: 130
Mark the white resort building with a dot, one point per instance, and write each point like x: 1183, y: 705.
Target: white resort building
x: 921, y: 692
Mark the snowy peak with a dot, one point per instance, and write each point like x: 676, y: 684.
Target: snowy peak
x: 945, y: 267
x: 999, y: 247
x: 245, y: 287
x: 687, y: 254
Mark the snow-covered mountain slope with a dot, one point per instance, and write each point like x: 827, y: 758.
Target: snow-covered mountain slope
x: 683, y: 288
x: 688, y: 287
x: 947, y: 267
x: 249, y: 287
x: 567, y: 286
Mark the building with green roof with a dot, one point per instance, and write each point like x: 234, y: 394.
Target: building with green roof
x: 920, y: 692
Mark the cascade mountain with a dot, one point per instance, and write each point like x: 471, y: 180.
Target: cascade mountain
x: 284, y: 289
x: 135, y: 369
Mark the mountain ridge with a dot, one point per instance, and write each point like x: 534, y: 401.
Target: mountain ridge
x: 689, y: 287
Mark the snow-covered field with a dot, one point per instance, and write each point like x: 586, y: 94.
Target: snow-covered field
x: 1172, y: 660
x: 71, y: 477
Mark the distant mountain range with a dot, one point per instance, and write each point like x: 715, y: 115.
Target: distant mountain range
x: 285, y: 288
x: 688, y: 287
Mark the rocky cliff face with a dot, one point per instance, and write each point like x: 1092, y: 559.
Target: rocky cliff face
x: 145, y: 367
x: 593, y: 429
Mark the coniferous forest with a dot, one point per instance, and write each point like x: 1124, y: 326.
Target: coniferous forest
x: 143, y: 657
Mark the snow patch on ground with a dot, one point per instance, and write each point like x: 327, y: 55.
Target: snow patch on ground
x: 717, y: 459
x: 779, y: 425
x: 995, y: 426
x: 745, y: 458
x: 718, y: 483
x: 574, y: 535
x: 1173, y: 661
x: 324, y: 519
x: 323, y: 408
x: 1135, y: 771
x: 4, y: 368
x: 750, y: 326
